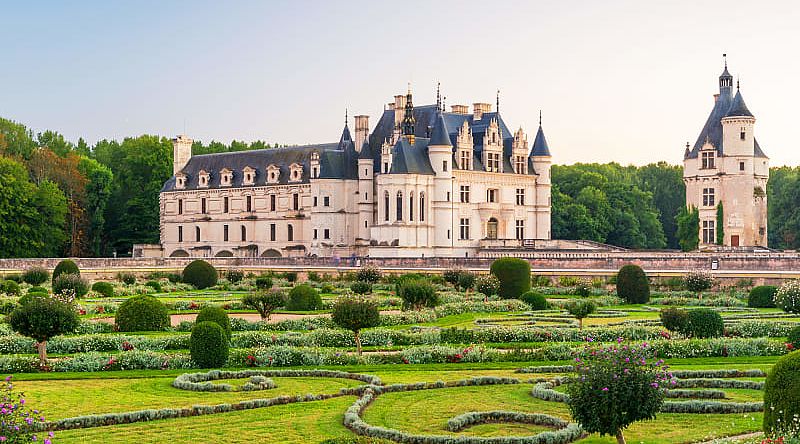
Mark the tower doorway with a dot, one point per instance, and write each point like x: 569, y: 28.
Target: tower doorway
x: 735, y: 240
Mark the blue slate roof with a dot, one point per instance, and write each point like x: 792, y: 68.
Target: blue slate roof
x: 411, y: 159
x: 540, y: 147
x: 738, y: 107
x: 440, y: 135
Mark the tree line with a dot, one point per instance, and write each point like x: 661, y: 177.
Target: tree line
x: 59, y: 198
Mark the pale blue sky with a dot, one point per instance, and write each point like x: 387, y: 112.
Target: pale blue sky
x: 625, y: 81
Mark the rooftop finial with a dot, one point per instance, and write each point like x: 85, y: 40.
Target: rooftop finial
x: 444, y: 98
x: 498, y: 101
x: 725, y: 60
x: 409, y: 87
x: 439, y: 97
x: 540, y: 117
x: 345, y: 117
x: 737, y: 84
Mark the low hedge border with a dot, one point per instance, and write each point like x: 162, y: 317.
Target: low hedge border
x: 719, y: 383
x: 469, y: 419
x: 200, y: 382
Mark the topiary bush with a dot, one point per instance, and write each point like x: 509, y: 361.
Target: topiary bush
x: 213, y: 313
x: 361, y: 287
x: 142, y: 313
x: 536, y: 300
x: 72, y: 284
x: 793, y: 338
x: 356, y: 313
x: 416, y: 293
x: 10, y: 288
x: 155, y: 285
x: 303, y: 297
x: 41, y: 318
x: 487, y: 284
x: 632, y: 285
x: 265, y: 302
x: 699, y: 281
x: 705, y: 323
x: 208, y: 345
x: 36, y: 275
x: 580, y: 310
x: 126, y: 278
x: 514, y: 275
x: 368, y: 274
x: 104, y: 288
x: 65, y: 267
x: 675, y: 319
x: 787, y: 298
x: 782, y: 396
x: 200, y: 274
x: 234, y: 276
x: 762, y: 296
x: 263, y: 282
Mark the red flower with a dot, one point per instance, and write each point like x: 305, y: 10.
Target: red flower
x: 789, y: 346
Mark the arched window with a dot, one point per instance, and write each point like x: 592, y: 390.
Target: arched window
x: 244, y: 233
x: 399, y: 205
x: 422, y: 207
x: 491, y: 229
x: 386, y: 205
x: 197, y: 234
x: 290, y: 232
x: 411, y: 206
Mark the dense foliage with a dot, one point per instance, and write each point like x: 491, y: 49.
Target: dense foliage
x: 208, y: 345
x: 793, y: 338
x: 787, y: 298
x: 142, y: 313
x: 213, y: 313
x: 71, y: 284
x: 41, y: 318
x: 106, y: 289
x: 699, y: 281
x: 580, y: 310
x: 263, y: 282
x: 704, y: 323
x: 632, y: 284
x: 265, y: 301
x: 36, y: 275
x: 304, y: 297
x: 675, y: 319
x: 368, y: 274
x: 616, y: 386
x: 514, y: 275
x: 200, y: 273
x: 536, y: 300
x: 65, y: 267
x: 762, y: 296
x: 361, y: 287
x: 355, y: 314
x: 416, y: 293
x: 688, y: 228
x: 782, y: 395
x: 487, y: 284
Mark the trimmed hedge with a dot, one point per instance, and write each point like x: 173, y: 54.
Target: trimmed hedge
x: 142, y: 313
x: 536, y: 300
x: 416, y: 293
x: 675, y: 319
x: 200, y: 273
x: 208, y: 345
x: 632, y: 285
x: 216, y: 314
x: 782, y: 394
x: 762, y: 296
x: 104, y: 288
x: 514, y: 275
x: 361, y: 287
x: 67, y: 282
x: 65, y: 267
x: 303, y: 297
x: 705, y: 323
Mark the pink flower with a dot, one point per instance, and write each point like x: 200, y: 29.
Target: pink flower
x: 605, y: 389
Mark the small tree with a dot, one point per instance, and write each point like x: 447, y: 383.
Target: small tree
x: 208, y: 345
x: 416, y: 294
x: 356, y: 313
x: 616, y: 386
x: 265, y: 302
x: 698, y: 282
x: 466, y: 281
x: 720, y: 225
x: 632, y: 284
x: 580, y: 310
x: 42, y: 318
x: 451, y: 276
x: 688, y: 232
x: 65, y: 267
x: 487, y: 284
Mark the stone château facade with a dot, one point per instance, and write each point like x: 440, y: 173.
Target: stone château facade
x: 726, y: 173
x: 425, y: 182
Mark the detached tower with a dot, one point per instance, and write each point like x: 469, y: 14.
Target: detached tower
x: 726, y: 173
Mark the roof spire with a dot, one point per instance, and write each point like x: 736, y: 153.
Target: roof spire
x: 498, y: 102
x: 439, y: 97
x: 540, y: 117
x: 737, y: 84
x: 409, y: 121
x: 725, y: 60
x: 345, y: 116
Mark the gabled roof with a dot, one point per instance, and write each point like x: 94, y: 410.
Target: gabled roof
x: 440, y: 135
x: 411, y: 159
x: 540, y: 147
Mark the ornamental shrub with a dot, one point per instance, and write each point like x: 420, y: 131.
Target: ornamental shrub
x: 699, y: 281
x: 466, y: 281
x: 303, y: 297
x: 615, y: 387
x: 514, y: 275
x: 10, y: 288
x: 580, y: 310
x: 536, y: 300
x: 675, y: 319
x: 762, y: 296
x: 65, y: 267
x: 265, y: 302
x: 793, y: 338
x: 29, y: 296
x: 632, y: 285
x: 704, y: 323
x: 155, y: 285
x: 356, y: 313
x: 41, y: 318
x: 787, y: 298
x: 38, y: 290
x: 583, y: 288
x: 451, y: 276
x: 234, y: 276
x: 36, y: 275
x: 208, y: 345
x: 126, y: 278
x: 263, y: 282
x: 142, y: 313
x: 782, y: 396
x: 487, y: 284
x: 213, y: 313
x: 72, y: 284
x: 416, y: 293
x: 361, y: 287
x: 200, y: 273
x: 368, y: 274
x: 104, y: 288
x: 290, y: 276
x: 20, y: 423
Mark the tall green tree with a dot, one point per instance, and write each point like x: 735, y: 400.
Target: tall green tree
x: 665, y: 183
x: 688, y: 222
x: 783, y: 189
x: 98, y: 192
x: 720, y: 232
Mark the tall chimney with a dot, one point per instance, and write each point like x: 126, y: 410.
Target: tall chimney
x: 181, y: 152
x: 399, y: 108
x: 460, y: 109
x: 479, y: 108
x: 362, y: 130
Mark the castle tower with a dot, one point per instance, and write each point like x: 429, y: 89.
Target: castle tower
x: 726, y: 174
x: 540, y: 161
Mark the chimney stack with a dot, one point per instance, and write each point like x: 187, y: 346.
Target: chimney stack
x: 181, y: 152
x: 479, y: 108
x: 460, y: 109
x: 362, y: 130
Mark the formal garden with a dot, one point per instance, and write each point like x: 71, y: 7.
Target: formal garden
x: 372, y: 357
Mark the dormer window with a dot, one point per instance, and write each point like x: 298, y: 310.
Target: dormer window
x: 273, y: 174
x: 295, y: 172
x: 180, y: 181
x: 225, y: 177
x: 203, y: 179
x: 314, y: 165
x: 248, y: 176
x: 707, y: 160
